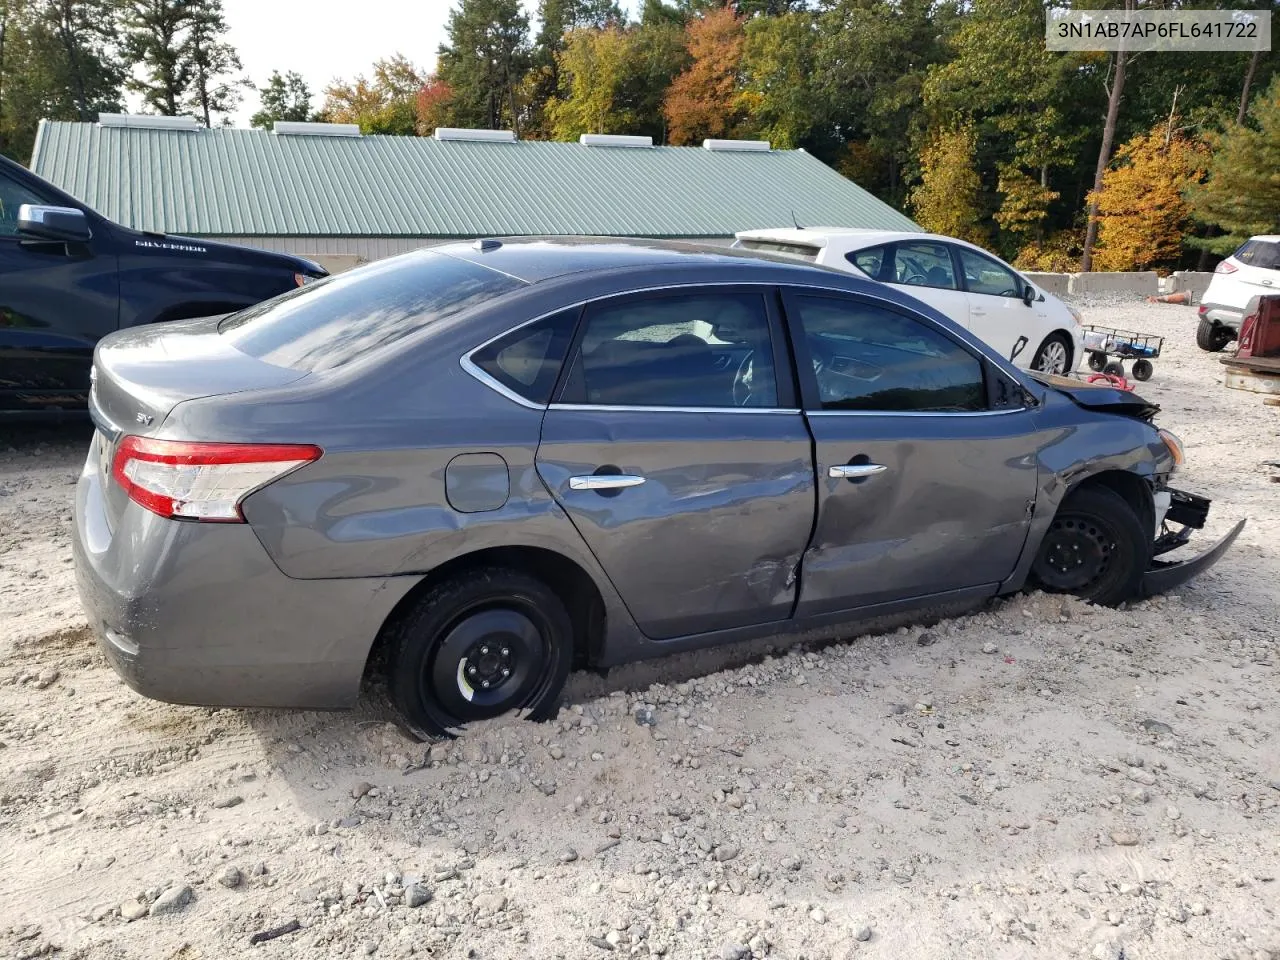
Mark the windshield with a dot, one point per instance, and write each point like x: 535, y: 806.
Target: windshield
x: 340, y: 319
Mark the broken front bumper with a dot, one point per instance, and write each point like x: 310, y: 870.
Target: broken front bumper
x: 1189, y: 512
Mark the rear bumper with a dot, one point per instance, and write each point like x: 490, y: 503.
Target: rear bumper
x: 1190, y: 511
x: 1222, y: 315
x: 198, y: 614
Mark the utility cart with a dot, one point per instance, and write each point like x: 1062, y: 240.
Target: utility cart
x: 1104, y: 343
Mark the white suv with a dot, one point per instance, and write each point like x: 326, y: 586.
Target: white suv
x: 965, y: 283
x: 1252, y: 271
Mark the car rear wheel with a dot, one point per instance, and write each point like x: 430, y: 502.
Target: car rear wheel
x: 1096, y: 548
x: 1213, y: 337
x: 478, y: 646
x: 1054, y: 355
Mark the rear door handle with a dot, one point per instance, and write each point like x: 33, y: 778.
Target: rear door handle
x: 853, y: 471
x: 605, y: 481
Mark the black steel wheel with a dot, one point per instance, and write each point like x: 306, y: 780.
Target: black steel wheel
x: 478, y: 646
x: 1115, y: 368
x: 1097, y: 361
x: 1096, y: 548
x: 1142, y: 369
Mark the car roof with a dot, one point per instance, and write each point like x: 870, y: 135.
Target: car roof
x: 1269, y: 237
x: 820, y: 236
x: 535, y: 259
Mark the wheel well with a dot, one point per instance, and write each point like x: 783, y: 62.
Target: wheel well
x: 1132, y: 488
x: 571, y: 583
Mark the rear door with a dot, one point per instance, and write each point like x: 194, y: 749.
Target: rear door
x: 56, y: 301
x: 922, y: 269
x: 923, y: 486
x: 677, y: 449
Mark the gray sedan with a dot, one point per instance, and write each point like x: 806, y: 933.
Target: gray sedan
x: 483, y: 464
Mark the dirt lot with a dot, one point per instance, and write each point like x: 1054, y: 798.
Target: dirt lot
x: 1038, y: 779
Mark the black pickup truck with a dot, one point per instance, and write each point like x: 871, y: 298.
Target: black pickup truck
x: 69, y: 276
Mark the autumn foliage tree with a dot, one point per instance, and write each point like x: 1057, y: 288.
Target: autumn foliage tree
x: 386, y: 104
x: 948, y: 199
x: 704, y: 100
x: 1242, y: 195
x: 1142, y: 210
x: 434, y: 102
x: 592, y: 69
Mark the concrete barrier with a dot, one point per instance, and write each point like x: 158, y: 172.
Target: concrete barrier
x: 1194, y: 280
x: 1143, y: 284
x: 1059, y: 284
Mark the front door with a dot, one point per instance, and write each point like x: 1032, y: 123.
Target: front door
x: 678, y: 451
x: 922, y: 487
x: 56, y: 301
x: 997, y: 313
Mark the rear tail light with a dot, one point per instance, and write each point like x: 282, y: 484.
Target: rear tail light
x: 202, y: 481
x: 1226, y: 266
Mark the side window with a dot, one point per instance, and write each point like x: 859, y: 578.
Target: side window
x: 923, y: 264
x: 984, y: 275
x: 1260, y: 253
x: 867, y: 357
x: 868, y: 261
x: 527, y: 360
x: 12, y: 196
x: 709, y: 349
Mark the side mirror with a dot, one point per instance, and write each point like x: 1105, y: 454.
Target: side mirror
x: 1029, y: 295
x: 55, y: 224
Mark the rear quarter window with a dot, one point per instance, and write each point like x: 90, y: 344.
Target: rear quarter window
x: 344, y: 318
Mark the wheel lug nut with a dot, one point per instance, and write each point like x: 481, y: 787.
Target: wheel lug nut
x: 506, y: 672
x: 506, y: 652
x: 484, y: 651
x: 472, y: 669
x: 485, y: 684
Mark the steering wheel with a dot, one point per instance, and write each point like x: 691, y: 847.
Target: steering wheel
x: 916, y: 279
x: 742, y: 381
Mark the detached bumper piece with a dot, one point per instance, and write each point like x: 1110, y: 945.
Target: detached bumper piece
x: 1189, y: 512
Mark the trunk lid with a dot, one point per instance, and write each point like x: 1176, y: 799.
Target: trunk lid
x: 1099, y: 396
x: 140, y: 374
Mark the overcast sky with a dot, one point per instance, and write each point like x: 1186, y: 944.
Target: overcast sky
x: 324, y: 39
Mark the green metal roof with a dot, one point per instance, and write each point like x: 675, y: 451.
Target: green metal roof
x: 231, y: 182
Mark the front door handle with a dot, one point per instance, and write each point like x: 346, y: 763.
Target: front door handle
x: 605, y: 481
x: 855, y: 471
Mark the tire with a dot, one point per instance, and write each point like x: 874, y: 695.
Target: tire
x: 1115, y: 368
x: 1142, y: 369
x: 1054, y: 355
x: 1097, y: 361
x: 1096, y: 548
x: 1213, y: 337
x: 449, y: 653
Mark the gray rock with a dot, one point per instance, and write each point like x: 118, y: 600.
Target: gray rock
x: 818, y: 915
x: 132, y: 910
x: 926, y: 639
x: 726, y: 852
x: 990, y: 647
x: 567, y: 855
x: 224, y: 803
x: 862, y: 934
x: 1157, y: 728
x: 601, y: 942
x: 1172, y: 812
x: 1122, y: 838
x: 645, y: 717
x: 230, y: 877
x: 47, y: 678
x: 360, y: 789
x: 735, y: 951
x: 1138, y: 775
x: 172, y: 900
x: 415, y: 895
x: 490, y: 902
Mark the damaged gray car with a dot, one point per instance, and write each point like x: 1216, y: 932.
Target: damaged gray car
x: 481, y: 465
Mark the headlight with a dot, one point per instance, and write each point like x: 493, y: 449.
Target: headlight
x: 1075, y: 314
x: 301, y: 279
x: 1175, y: 447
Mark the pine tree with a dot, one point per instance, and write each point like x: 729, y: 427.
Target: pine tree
x: 1242, y: 195
x: 155, y: 40
x: 284, y: 97
x: 485, y: 62
x: 211, y: 59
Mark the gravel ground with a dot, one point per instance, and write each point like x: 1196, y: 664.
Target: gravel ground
x: 1040, y: 778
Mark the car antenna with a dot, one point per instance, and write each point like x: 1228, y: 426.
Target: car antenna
x: 794, y: 220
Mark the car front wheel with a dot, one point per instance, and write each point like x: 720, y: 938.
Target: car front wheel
x: 477, y: 646
x: 1096, y: 548
x: 1054, y: 355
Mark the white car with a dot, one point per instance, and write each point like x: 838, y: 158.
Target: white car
x: 965, y: 283
x: 1252, y: 271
